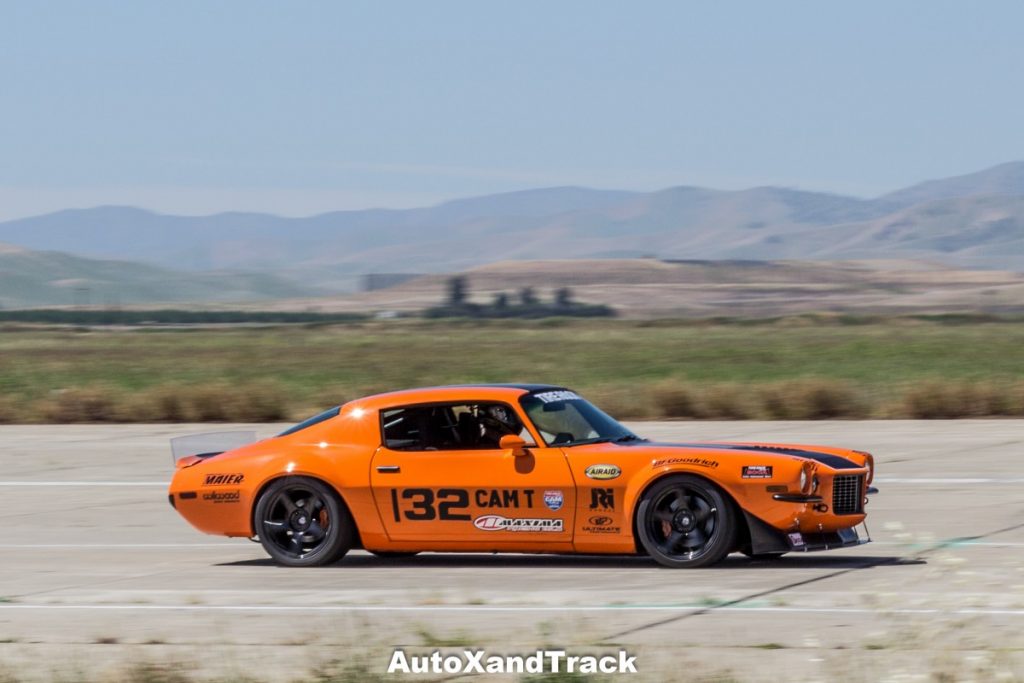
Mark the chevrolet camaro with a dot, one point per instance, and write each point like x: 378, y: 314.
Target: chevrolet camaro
x: 519, y: 468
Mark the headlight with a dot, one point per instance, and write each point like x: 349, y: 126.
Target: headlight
x: 808, y: 478
x: 869, y: 462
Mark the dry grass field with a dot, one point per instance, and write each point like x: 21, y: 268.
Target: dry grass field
x: 791, y: 368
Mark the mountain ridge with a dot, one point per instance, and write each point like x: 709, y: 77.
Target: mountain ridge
x: 972, y: 220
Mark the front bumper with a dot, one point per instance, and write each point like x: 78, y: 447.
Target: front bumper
x: 842, y: 538
x: 766, y: 539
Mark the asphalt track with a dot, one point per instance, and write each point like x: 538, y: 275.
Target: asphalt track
x: 97, y: 571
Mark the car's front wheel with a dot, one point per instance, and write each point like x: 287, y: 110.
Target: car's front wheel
x: 686, y: 521
x: 302, y: 522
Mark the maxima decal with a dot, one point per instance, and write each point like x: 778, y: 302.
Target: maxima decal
x: 499, y: 523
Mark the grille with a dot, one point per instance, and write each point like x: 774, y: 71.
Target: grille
x: 846, y: 494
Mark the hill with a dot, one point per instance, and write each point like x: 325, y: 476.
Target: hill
x: 47, y: 278
x: 975, y: 220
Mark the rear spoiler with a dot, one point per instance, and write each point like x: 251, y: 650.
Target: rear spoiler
x: 192, y: 448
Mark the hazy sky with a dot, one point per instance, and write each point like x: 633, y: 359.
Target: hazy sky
x: 302, y: 107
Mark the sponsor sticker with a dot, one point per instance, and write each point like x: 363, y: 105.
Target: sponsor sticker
x: 554, y: 500
x: 603, y: 471
x: 699, y: 462
x: 217, y: 497
x: 223, y: 479
x: 556, y: 396
x: 797, y: 539
x: 503, y: 498
x: 499, y: 523
x: 601, y: 524
x: 757, y: 471
x: 602, y: 499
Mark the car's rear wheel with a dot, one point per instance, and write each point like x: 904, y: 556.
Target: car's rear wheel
x: 684, y: 521
x: 302, y: 522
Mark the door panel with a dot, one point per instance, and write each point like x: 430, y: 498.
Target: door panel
x: 486, y: 497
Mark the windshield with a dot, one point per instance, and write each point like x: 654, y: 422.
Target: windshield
x: 565, y: 419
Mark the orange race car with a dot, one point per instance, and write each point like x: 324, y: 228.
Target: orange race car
x: 514, y: 468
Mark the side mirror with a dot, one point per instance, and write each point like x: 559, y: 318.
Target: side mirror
x: 514, y: 443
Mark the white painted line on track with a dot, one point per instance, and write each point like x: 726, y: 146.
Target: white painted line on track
x: 83, y: 483
x: 228, y: 544
x: 952, y: 543
x: 978, y: 611
x: 948, y: 480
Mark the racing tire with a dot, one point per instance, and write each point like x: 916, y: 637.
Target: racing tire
x: 302, y: 522
x: 686, y: 522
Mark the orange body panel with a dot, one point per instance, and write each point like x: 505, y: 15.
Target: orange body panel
x: 581, y: 498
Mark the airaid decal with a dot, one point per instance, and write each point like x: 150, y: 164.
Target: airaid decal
x: 603, y: 471
x: 223, y: 479
x: 499, y: 523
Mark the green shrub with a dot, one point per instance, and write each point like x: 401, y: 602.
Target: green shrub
x: 812, y: 399
x: 675, y: 400
x: 725, y: 402
x: 10, y: 410
x: 81, y: 404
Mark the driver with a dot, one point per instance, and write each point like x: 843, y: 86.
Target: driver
x: 496, y: 421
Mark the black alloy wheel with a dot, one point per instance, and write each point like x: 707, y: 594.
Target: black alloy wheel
x: 684, y: 521
x: 302, y: 522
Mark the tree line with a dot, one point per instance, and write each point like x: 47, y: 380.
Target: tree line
x: 525, y: 303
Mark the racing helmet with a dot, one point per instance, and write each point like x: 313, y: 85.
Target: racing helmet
x: 501, y: 418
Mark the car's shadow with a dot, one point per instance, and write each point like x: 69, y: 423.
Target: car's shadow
x: 792, y: 561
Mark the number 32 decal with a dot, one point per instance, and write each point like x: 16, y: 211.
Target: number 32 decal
x: 423, y: 508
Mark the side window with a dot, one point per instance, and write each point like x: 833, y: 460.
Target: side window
x: 460, y: 426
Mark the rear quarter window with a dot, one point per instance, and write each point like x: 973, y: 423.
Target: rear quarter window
x: 316, y: 419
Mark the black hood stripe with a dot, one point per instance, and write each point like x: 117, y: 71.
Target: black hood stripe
x: 834, y: 461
